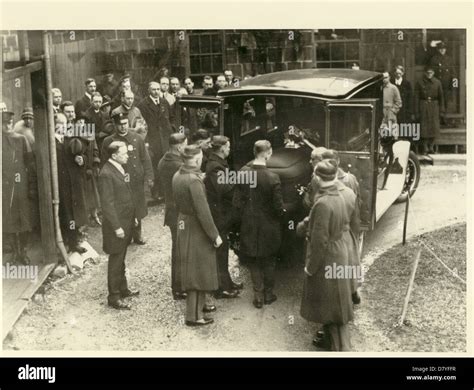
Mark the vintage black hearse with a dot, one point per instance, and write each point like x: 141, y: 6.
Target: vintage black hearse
x: 337, y: 108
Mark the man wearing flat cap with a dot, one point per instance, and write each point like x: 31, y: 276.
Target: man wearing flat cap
x: 327, y: 299
x: 17, y: 162
x: 167, y: 167
x: 261, y: 209
x: 138, y: 167
x: 197, y: 237
x: 429, y: 104
x: 219, y: 196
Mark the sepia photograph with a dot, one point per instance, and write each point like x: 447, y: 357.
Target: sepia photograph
x: 235, y: 190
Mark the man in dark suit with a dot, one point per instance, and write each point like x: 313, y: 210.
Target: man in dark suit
x: 138, y: 168
x: 259, y: 202
x: 84, y: 102
x: 103, y: 126
x: 219, y: 196
x: 168, y: 166
x: 118, y: 210
x: 156, y: 112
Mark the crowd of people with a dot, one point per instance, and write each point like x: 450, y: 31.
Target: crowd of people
x: 103, y: 175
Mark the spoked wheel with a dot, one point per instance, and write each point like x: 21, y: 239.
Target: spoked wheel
x: 412, y: 178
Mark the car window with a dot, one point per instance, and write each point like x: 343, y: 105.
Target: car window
x: 350, y: 128
x: 196, y: 116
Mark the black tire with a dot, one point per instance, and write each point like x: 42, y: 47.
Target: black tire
x: 412, y: 178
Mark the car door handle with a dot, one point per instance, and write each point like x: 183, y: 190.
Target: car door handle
x: 363, y: 157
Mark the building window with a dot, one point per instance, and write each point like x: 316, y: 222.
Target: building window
x: 337, y: 48
x: 206, y: 52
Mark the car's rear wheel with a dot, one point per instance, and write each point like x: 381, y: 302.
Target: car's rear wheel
x: 412, y: 178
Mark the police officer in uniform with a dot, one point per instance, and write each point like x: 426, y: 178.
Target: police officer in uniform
x: 429, y: 103
x: 138, y: 167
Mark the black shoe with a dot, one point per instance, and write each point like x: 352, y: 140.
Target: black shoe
x: 237, y: 286
x: 270, y: 299
x: 204, y: 321
x: 355, y: 298
x: 120, y: 305
x: 179, y: 296
x: 130, y: 293
x: 321, y: 343
x: 226, y: 294
x: 209, y: 308
x: 79, y: 249
x: 139, y: 242
x: 258, y: 303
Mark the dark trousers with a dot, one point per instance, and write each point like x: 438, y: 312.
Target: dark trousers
x: 18, y: 243
x: 116, y: 279
x: 71, y: 238
x: 222, y: 254
x: 262, y: 272
x: 175, y: 265
x: 195, y: 302
x: 137, y: 231
x: 427, y: 145
x: 338, y: 337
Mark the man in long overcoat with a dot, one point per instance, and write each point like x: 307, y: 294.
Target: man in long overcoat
x: 197, y: 237
x: 119, y: 217
x: 167, y: 167
x: 327, y: 295
x: 72, y: 179
x: 392, y: 102
x: 259, y: 202
x: 429, y: 103
x: 219, y: 194
x: 444, y: 71
x: 156, y: 111
x: 138, y: 167
x: 17, y: 162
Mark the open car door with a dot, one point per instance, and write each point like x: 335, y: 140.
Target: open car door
x: 350, y: 129
x: 201, y: 112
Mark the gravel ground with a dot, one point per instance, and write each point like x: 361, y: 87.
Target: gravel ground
x: 436, y: 316
x: 73, y: 315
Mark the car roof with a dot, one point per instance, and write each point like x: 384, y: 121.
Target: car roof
x: 326, y: 83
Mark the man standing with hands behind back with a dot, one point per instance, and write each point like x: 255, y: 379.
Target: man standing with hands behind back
x: 118, y: 211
